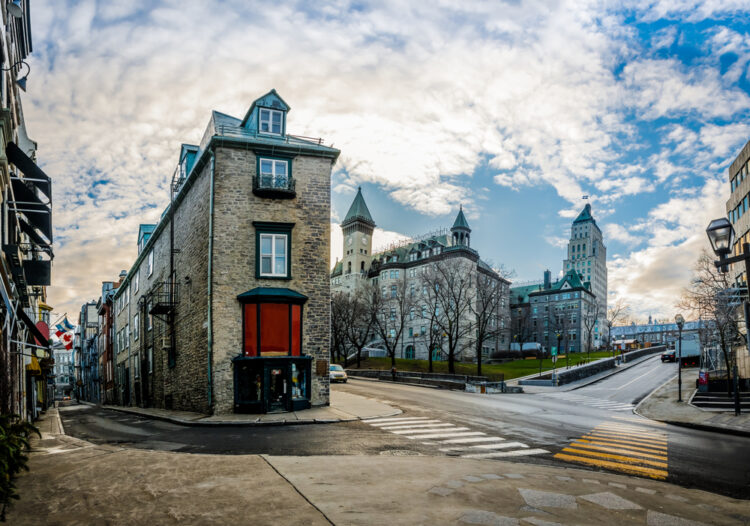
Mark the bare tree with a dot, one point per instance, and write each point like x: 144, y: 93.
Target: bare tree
x: 448, y: 285
x: 392, y: 305
x: 589, y: 319
x: 711, y: 297
x: 486, y: 311
x: 521, y: 329
x: 429, y: 311
x: 340, y: 320
x: 363, y: 313
x: 617, y: 312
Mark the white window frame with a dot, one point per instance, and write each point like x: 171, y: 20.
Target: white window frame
x: 277, y: 181
x: 135, y: 283
x: 151, y: 262
x: 273, y: 256
x: 269, y: 121
x: 136, y: 322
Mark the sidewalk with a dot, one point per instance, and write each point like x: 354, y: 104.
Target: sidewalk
x: 345, y: 407
x: 662, y: 405
x: 80, y: 483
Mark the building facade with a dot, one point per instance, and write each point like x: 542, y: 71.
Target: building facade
x: 403, y: 266
x: 105, y: 344
x: 227, y: 306
x: 88, y: 353
x: 64, y: 373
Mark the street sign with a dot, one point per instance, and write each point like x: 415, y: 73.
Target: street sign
x: 553, y: 351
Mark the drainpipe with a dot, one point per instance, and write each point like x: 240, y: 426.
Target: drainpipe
x: 210, y: 342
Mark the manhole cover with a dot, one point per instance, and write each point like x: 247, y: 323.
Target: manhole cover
x: 400, y: 453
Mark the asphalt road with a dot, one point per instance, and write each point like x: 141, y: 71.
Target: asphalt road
x: 536, y: 428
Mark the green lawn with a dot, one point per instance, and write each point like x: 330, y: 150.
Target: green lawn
x: 509, y: 370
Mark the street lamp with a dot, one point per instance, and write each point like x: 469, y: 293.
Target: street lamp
x: 721, y: 235
x: 680, y: 321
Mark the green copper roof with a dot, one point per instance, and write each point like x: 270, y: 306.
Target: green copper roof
x: 269, y: 294
x: 461, y: 221
x: 358, y: 211
x: 585, y: 215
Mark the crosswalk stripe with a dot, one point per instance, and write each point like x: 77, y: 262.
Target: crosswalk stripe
x: 417, y: 431
x: 415, y: 426
x: 618, y: 458
x: 630, y: 436
x: 641, y: 421
x: 631, y: 430
x: 499, y: 445
x: 617, y: 466
x: 629, y: 440
x: 403, y: 422
x: 396, y: 419
x: 500, y: 454
x: 620, y: 449
x: 447, y: 435
x: 470, y: 440
x: 620, y: 443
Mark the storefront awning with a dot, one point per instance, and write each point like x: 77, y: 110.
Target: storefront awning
x: 44, y: 342
x: 29, y: 168
x: 272, y: 295
x: 33, y: 367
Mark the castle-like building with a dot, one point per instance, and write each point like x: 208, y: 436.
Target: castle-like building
x: 405, y: 263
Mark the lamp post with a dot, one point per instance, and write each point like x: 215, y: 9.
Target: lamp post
x: 721, y: 235
x: 680, y: 321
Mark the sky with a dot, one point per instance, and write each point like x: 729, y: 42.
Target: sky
x: 514, y: 110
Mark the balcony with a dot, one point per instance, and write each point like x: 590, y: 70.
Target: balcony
x: 274, y: 187
x: 163, y: 298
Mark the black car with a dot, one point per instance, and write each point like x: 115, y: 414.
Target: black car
x: 669, y: 356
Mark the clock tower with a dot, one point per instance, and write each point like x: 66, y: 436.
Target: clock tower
x: 357, y: 227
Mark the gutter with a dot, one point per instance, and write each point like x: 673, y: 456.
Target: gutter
x: 210, y: 342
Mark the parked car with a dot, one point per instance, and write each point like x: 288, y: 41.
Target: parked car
x: 337, y: 373
x: 669, y: 356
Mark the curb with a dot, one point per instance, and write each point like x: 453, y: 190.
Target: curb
x: 256, y: 423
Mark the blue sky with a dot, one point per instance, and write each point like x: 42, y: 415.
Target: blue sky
x: 514, y: 110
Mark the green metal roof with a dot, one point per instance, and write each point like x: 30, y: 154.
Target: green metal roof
x: 572, y: 278
x: 585, y: 215
x: 269, y: 294
x: 461, y: 221
x: 358, y: 211
x: 521, y: 294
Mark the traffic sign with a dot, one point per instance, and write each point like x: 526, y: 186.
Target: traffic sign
x: 553, y: 351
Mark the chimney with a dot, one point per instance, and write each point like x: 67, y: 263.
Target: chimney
x: 547, y: 279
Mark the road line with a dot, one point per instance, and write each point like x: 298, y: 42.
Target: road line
x: 381, y: 424
x: 415, y: 426
x: 618, y: 450
x: 619, y: 458
x: 643, y: 421
x: 500, y: 445
x: 627, y: 440
x: 604, y: 442
x: 516, y: 453
x: 446, y: 435
x: 630, y: 427
x: 630, y: 434
x: 417, y: 431
x: 396, y: 419
x: 636, y: 470
x: 469, y: 440
x: 650, y: 371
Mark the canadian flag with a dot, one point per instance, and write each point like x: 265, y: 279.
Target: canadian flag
x: 67, y: 340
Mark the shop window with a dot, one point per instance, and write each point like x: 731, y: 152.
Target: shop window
x: 272, y: 321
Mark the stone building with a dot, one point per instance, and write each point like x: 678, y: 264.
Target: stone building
x: 227, y: 306
x: 587, y: 255
x: 105, y: 342
x: 404, y: 263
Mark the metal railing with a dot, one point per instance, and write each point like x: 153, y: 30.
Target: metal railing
x: 269, y: 182
x: 227, y: 130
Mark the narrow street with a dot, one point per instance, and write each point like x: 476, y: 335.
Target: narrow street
x: 589, y: 428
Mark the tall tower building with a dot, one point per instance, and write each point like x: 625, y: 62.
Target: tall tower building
x: 587, y: 255
x: 357, y: 227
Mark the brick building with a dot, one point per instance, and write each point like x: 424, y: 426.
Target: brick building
x: 227, y: 306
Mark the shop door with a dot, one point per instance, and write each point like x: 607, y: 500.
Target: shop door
x: 277, y: 391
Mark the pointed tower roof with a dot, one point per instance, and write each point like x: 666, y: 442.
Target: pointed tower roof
x: 358, y: 211
x: 461, y: 222
x: 585, y: 215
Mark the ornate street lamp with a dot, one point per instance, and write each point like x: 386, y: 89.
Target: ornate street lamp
x: 680, y: 321
x: 721, y: 235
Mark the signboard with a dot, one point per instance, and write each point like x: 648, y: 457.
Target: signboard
x: 553, y: 351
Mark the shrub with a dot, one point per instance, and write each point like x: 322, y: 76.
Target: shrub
x: 14, y: 444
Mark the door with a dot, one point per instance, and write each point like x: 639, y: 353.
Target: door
x: 126, y: 394
x: 277, y: 393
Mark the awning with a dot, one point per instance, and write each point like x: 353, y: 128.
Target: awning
x: 29, y: 168
x: 272, y: 295
x: 33, y: 234
x: 32, y: 328
x: 33, y: 367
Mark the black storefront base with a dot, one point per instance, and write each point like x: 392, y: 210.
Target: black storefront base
x: 267, y: 384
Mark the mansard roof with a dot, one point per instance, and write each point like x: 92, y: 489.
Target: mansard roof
x: 570, y: 281
x: 358, y: 211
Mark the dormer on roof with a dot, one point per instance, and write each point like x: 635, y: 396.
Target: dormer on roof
x: 267, y: 115
x: 144, y: 233
x: 187, y: 159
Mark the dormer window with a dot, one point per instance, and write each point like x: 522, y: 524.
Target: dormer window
x: 270, y: 121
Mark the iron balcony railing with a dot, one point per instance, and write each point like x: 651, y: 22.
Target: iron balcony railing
x: 227, y: 130
x: 163, y: 297
x: 270, y: 186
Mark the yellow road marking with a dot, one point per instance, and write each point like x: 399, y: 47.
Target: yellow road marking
x: 621, y: 449
x: 610, y: 442
x: 639, y: 432
x: 641, y: 421
x: 618, y: 438
x: 625, y: 468
x: 620, y: 458
x: 623, y: 432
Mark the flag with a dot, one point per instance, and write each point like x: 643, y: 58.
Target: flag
x: 60, y: 330
x: 67, y: 340
x: 585, y: 197
x: 68, y: 326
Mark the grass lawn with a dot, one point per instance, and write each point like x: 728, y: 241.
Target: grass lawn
x: 508, y: 370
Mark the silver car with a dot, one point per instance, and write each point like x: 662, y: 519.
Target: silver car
x: 337, y: 373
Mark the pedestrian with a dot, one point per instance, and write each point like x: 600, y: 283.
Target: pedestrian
x: 393, y: 372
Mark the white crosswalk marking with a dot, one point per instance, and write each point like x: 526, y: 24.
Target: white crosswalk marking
x: 591, y: 402
x: 460, y: 440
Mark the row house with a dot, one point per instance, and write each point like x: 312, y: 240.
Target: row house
x: 403, y: 266
x: 227, y: 305
x: 26, y: 362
